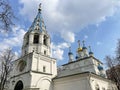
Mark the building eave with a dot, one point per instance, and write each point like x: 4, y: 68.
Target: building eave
x: 82, y: 59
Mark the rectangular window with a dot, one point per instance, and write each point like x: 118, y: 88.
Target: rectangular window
x: 44, y: 52
x: 44, y: 69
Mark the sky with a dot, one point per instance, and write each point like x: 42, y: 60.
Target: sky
x: 67, y: 21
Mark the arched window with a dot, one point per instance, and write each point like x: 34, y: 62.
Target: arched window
x: 45, y: 40
x: 97, y: 87
x: 36, y: 39
x: 19, y: 86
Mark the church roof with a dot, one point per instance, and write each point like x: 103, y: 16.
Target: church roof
x: 89, y: 74
x: 38, y: 23
x: 83, y: 59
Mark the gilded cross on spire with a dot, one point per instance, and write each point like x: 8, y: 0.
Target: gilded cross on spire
x: 83, y: 43
x: 90, y: 48
x: 69, y: 49
x: 40, y: 7
x: 79, y: 43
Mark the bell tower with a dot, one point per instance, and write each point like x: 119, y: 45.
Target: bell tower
x: 37, y: 39
x: 35, y: 69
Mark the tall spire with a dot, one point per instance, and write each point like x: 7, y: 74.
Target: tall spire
x: 38, y: 23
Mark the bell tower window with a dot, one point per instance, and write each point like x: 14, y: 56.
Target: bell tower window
x: 45, y: 40
x: 44, y: 52
x: 36, y: 39
x: 25, y: 52
x: 27, y: 40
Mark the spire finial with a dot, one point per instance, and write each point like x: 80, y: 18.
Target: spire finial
x: 83, y: 43
x: 90, y: 48
x: 69, y: 49
x: 40, y: 7
x: 70, y: 54
x: 79, y: 43
x: 90, y: 52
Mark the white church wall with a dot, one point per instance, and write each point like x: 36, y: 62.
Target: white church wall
x: 41, y: 81
x: 16, y: 65
x: 25, y: 78
x: 41, y: 63
x: 80, y: 66
x: 102, y: 83
x: 75, y: 82
x: 38, y: 71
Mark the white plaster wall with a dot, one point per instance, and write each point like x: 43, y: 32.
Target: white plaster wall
x: 41, y: 81
x: 33, y: 72
x: 77, y: 67
x: 40, y: 61
x: 25, y: 78
x: 103, y: 83
x: 80, y: 66
x: 15, y: 68
x: 77, y: 82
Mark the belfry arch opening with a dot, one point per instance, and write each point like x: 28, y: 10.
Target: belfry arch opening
x: 36, y: 38
x: 27, y: 40
x: 45, y: 40
x: 19, y: 85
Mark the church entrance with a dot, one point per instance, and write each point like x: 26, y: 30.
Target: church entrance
x: 19, y: 86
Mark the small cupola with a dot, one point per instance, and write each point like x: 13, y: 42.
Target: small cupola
x: 90, y: 52
x: 70, y: 54
x: 85, y: 51
x: 84, y: 47
x: 79, y: 51
x: 100, y: 68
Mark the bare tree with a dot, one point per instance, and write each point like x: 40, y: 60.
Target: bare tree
x: 6, y: 58
x: 113, y: 64
x: 109, y: 61
x: 112, y: 72
x: 118, y: 52
x: 6, y: 16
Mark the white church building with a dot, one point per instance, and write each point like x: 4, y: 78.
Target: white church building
x: 37, y: 70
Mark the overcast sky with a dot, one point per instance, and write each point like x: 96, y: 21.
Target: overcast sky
x: 67, y: 21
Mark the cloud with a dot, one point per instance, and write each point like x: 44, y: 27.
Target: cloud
x: 69, y: 15
x: 13, y: 40
x: 68, y: 36
x: 58, y: 50
x: 99, y: 43
x: 86, y: 37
